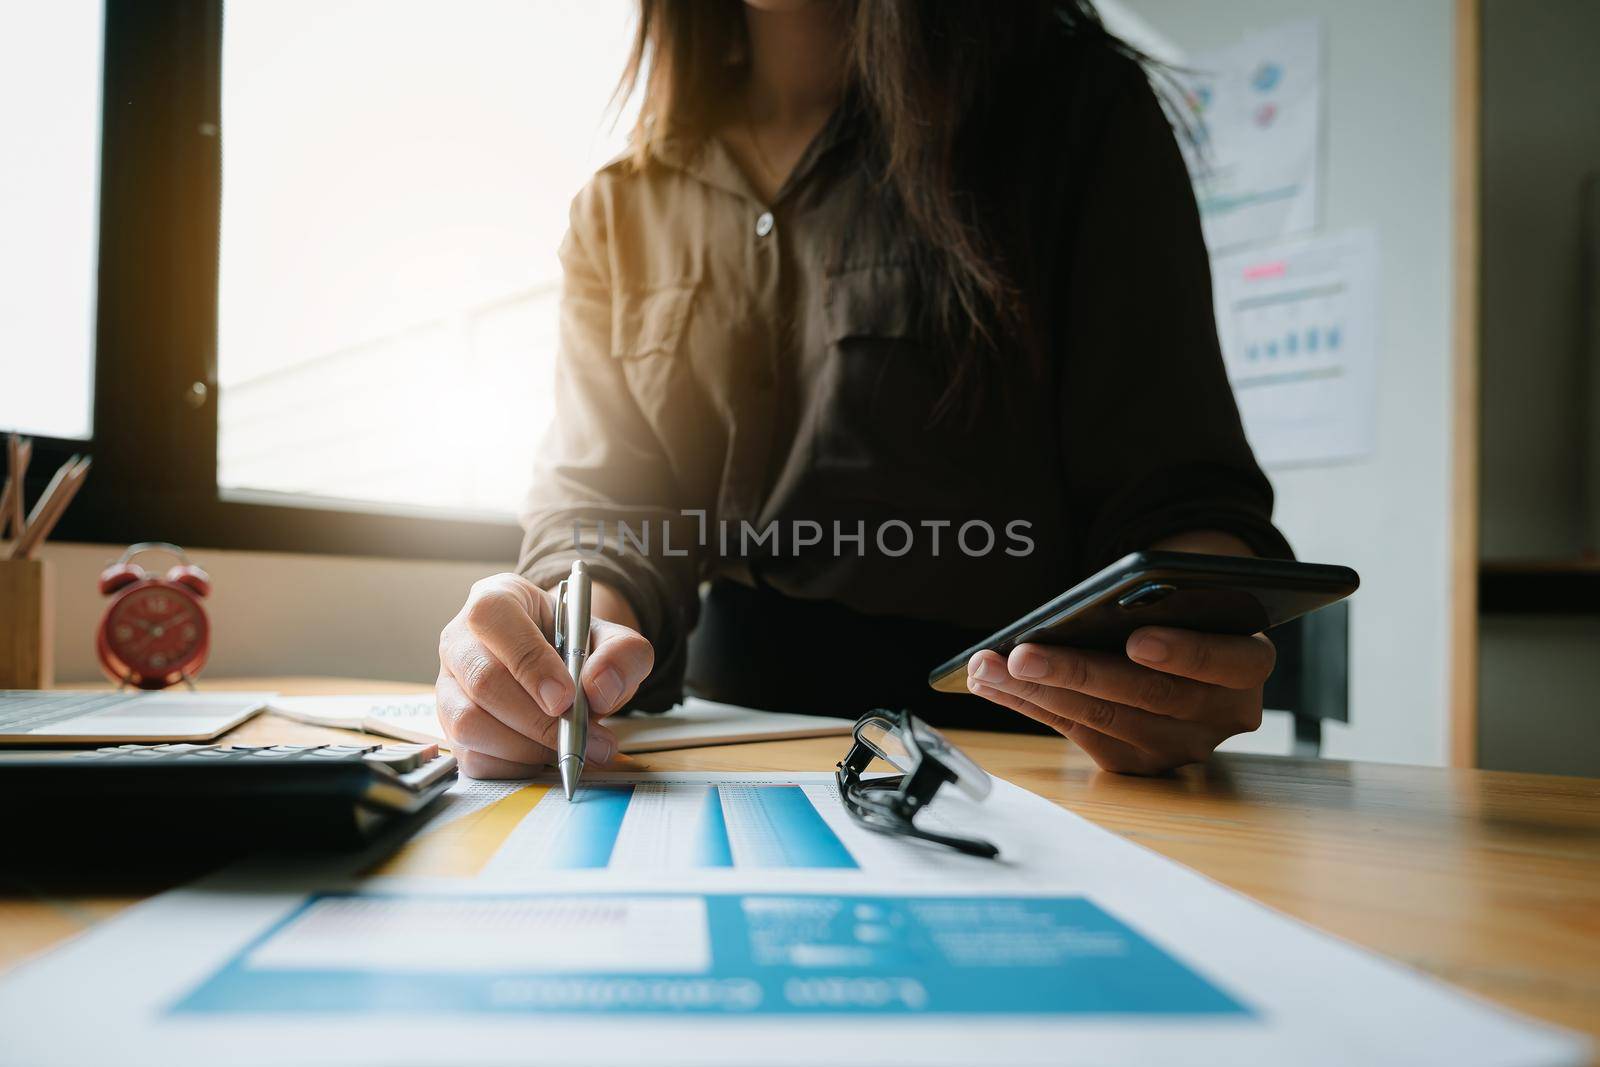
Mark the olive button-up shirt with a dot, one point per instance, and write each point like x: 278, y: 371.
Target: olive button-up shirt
x: 746, y: 390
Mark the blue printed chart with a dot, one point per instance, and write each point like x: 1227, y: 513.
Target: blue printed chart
x: 634, y: 826
x: 646, y: 929
x: 690, y: 954
x: 675, y: 826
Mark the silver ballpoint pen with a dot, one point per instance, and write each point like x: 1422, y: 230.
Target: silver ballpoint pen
x: 572, y: 643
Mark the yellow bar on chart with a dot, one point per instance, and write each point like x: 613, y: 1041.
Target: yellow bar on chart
x: 462, y: 848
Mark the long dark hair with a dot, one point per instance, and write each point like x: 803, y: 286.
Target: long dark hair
x: 920, y: 72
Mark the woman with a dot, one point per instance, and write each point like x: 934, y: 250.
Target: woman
x: 894, y: 322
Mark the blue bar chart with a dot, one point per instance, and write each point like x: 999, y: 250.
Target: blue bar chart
x: 589, y: 832
x: 777, y: 826
x: 711, y: 841
x: 666, y: 826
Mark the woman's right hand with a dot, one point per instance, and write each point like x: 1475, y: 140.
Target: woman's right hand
x: 502, y: 687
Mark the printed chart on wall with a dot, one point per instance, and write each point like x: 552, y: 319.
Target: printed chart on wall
x: 1255, y: 119
x: 1298, y: 323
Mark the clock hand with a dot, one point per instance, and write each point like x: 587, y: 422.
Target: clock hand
x: 152, y: 631
x: 155, y: 630
x: 135, y: 649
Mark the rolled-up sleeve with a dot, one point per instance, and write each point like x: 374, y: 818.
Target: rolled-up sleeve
x: 1152, y: 442
x: 602, y: 465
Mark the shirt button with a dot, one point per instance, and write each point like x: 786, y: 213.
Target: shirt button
x: 764, y: 224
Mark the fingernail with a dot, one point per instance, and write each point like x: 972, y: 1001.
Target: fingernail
x: 1026, y: 663
x: 984, y: 670
x: 553, y: 695
x: 599, y: 750
x: 607, y: 689
x: 1149, y: 648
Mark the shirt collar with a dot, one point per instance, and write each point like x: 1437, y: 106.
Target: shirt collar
x: 707, y: 159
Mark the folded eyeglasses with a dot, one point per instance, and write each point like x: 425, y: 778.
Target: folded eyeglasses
x: 927, y: 761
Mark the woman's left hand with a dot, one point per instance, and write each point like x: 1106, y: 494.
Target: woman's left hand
x: 1171, y: 700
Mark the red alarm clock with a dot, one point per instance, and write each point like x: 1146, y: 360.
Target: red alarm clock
x: 154, y: 633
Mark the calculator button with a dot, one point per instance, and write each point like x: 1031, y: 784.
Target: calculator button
x: 144, y: 753
x: 209, y: 753
x: 295, y: 748
x: 245, y: 748
x: 178, y: 748
x: 267, y: 753
x: 403, y: 758
x: 429, y: 772
x: 98, y: 753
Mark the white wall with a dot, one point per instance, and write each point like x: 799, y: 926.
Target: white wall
x: 1387, y: 163
x: 286, y: 614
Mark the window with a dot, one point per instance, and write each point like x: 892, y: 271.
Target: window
x: 395, y: 183
x: 50, y: 69
x: 297, y: 292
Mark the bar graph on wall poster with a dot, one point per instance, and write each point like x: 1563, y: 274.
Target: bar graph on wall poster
x: 636, y: 826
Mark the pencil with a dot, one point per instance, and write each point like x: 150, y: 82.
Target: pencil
x: 47, y: 512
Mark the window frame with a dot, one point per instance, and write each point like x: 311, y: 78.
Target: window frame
x: 155, y: 403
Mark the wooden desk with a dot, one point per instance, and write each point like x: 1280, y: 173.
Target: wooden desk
x: 1486, y: 879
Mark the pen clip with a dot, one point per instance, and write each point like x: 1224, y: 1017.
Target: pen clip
x: 561, y: 618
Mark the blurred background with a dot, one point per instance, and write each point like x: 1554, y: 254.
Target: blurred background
x: 287, y: 270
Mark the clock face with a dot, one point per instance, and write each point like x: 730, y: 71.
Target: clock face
x: 155, y: 629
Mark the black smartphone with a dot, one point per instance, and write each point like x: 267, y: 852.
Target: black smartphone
x: 1212, y: 594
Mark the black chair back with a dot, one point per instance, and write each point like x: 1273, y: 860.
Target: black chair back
x: 1312, y: 679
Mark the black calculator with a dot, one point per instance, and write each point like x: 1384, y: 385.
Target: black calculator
x: 146, y: 799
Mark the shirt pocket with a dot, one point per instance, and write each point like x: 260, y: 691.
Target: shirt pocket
x: 880, y: 382
x: 649, y: 341
x: 865, y: 302
x: 650, y: 322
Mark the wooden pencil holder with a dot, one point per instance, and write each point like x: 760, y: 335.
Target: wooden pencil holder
x: 26, y: 633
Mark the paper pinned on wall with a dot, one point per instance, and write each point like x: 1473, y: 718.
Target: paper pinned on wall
x: 1298, y: 323
x: 1255, y: 112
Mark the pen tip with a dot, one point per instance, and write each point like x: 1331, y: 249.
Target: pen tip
x: 571, y: 769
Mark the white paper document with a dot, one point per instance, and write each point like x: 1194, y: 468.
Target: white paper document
x: 696, y: 722
x: 1299, y: 328
x: 735, y: 919
x: 691, y: 724
x: 1255, y: 113
x: 409, y: 718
